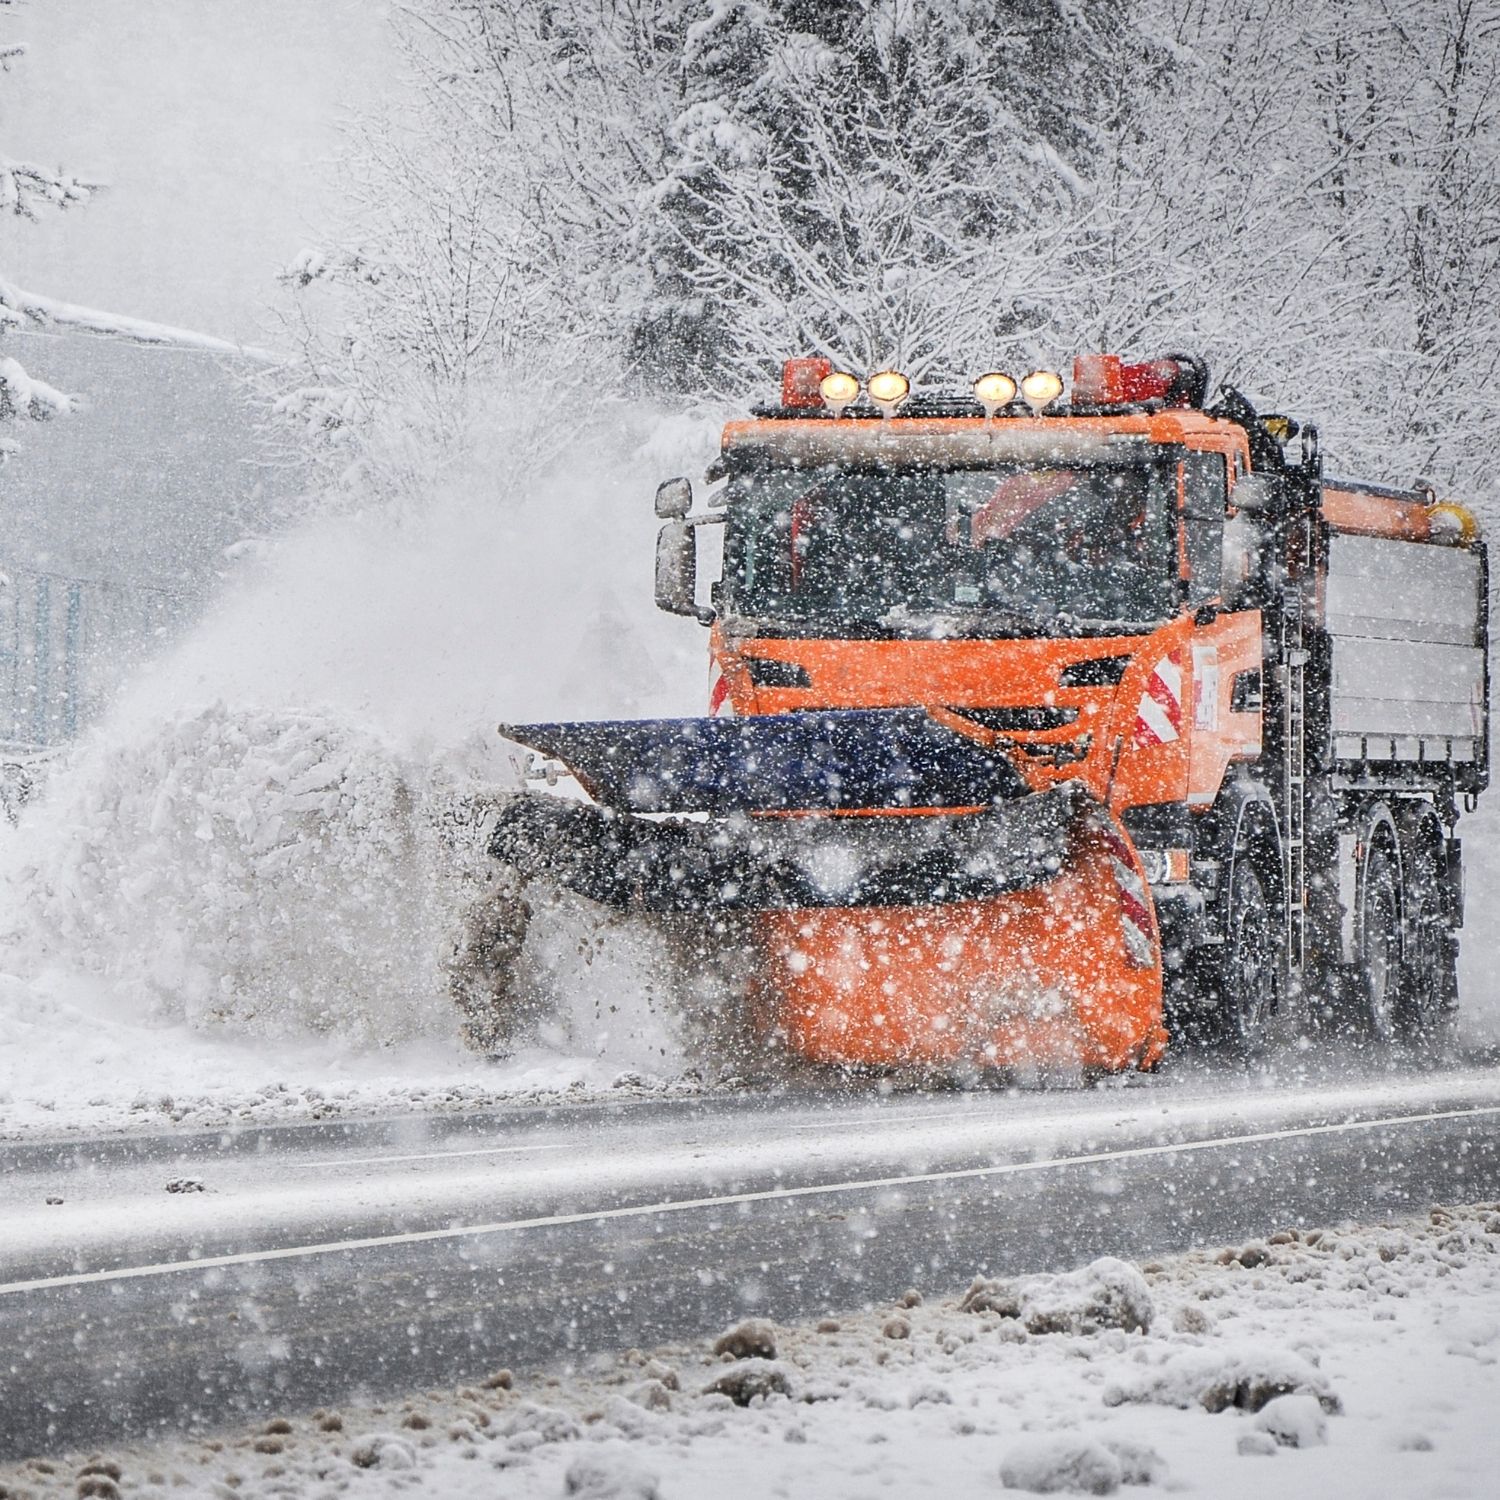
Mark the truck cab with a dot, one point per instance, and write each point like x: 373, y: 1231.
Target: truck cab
x: 1151, y: 600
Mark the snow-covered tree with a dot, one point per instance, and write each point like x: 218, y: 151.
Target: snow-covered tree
x: 27, y: 190
x: 733, y: 180
x: 440, y: 315
x: 886, y: 183
x: 675, y: 194
x: 1306, y: 193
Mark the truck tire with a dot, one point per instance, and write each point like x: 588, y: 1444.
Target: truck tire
x: 1429, y: 979
x: 1250, y: 977
x: 1380, y: 969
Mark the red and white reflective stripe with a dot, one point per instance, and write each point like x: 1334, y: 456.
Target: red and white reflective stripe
x: 1136, y: 924
x: 719, y: 706
x: 1158, y: 716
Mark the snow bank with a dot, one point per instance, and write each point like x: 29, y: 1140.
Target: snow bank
x: 276, y: 871
x: 968, y: 1407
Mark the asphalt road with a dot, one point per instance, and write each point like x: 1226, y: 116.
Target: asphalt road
x: 305, y: 1265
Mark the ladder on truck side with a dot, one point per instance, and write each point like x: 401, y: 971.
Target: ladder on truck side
x: 1292, y: 673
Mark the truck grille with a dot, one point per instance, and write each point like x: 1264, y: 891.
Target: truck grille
x: 1019, y: 720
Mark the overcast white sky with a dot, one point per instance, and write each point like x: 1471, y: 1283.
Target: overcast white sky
x: 213, y: 121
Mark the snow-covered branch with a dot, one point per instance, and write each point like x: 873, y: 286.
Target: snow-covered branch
x: 20, y: 308
x: 23, y: 395
x: 26, y: 188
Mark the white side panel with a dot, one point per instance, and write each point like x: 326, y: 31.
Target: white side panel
x: 1392, y: 688
x: 1402, y: 591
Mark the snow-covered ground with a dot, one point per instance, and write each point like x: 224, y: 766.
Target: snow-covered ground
x: 1349, y: 1362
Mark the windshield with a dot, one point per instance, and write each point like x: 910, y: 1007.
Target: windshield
x: 955, y: 551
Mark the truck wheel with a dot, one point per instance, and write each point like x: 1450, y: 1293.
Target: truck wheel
x: 1380, y: 947
x: 1250, y: 983
x: 1429, y: 990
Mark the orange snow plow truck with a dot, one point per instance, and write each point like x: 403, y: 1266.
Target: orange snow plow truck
x: 1046, y: 723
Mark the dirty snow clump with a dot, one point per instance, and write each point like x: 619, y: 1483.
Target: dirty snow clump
x: 749, y: 1380
x: 383, y: 1450
x: 1244, y: 1377
x: 755, y: 1338
x: 610, y: 1474
x: 1294, y: 1421
x: 1061, y: 1464
x: 1108, y: 1293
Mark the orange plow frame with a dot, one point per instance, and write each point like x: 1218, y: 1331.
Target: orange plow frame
x: 1062, y: 975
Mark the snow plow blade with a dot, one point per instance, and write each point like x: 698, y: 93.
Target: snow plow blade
x: 913, y: 903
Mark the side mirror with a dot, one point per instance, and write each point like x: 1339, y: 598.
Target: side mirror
x: 1244, y: 542
x: 677, y: 567
x: 1255, y: 493
x: 674, y: 499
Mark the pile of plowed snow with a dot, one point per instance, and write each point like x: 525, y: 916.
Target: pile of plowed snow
x: 249, y: 915
x: 277, y: 871
x: 248, y: 879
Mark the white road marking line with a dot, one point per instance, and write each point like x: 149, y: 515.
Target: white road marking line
x: 833, y: 1120
x: 729, y: 1200
x: 379, y: 1161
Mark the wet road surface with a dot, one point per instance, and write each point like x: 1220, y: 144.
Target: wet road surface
x: 303, y: 1265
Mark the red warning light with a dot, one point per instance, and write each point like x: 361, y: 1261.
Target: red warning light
x: 1151, y: 381
x: 800, y: 379
x: 1104, y: 380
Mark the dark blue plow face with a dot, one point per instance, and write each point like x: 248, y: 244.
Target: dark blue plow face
x: 849, y: 760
